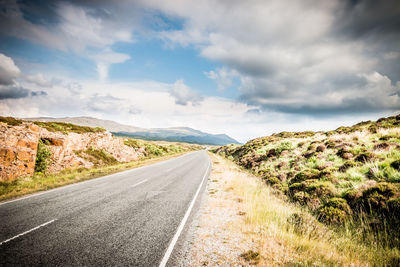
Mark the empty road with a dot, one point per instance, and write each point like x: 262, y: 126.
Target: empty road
x: 132, y: 218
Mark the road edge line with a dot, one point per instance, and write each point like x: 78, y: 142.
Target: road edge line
x: 183, y: 222
x: 27, y: 232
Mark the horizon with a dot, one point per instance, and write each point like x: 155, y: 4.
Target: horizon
x: 245, y: 69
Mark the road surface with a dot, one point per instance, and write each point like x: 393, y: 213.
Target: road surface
x: 132, y: 218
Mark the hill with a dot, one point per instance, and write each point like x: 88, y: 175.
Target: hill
x: 173, y: 134
x: 349, y: 177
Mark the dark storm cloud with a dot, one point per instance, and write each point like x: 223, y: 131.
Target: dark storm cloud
x: 15, y: 92
x: 365, y: 18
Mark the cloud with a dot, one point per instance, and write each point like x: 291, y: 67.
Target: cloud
x: 222, y: 76
x: 9, y: 87
x: 87, y: 30
x: 309, y: 57
x: 38, y: 79
x: 8, y: 70
x: 16, y: 91
x: 184, y: 95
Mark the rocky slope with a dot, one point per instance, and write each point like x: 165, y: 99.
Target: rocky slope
x: 69, y: 146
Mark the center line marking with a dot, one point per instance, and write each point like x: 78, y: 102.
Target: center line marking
x: 145, y: 180
x: 26, y: 232
x: 183, y: 222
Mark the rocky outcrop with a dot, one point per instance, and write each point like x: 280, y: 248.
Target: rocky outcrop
x: 18, y: 148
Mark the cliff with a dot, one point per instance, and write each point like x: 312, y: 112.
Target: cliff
x: 70, y: 146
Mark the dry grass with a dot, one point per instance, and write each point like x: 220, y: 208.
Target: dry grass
x: 282, y: 243
x: 40, y: 182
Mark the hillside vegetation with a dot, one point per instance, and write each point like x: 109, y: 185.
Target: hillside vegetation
x: 348, y: 178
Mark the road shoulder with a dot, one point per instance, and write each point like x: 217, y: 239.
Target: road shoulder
x: 216, y: 235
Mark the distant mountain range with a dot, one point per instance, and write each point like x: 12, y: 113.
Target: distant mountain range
x: 174, y: 134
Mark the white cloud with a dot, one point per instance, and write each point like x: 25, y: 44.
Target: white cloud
x: 184, y: 95
x: 222, y: 76
x: 38, y: 79
x: 8, y: 70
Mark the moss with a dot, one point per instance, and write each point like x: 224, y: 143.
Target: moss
x: 10, y: 121
x: 306, y: 175
x: 271, y: 180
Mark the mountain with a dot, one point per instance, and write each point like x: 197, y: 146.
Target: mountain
x: 174, y: 134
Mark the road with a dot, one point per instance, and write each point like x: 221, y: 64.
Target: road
x: 125, y: 219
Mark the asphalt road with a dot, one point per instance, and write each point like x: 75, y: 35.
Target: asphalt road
x: 124, y: 219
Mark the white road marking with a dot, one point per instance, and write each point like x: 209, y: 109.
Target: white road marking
x: 182, y: 224
x: 26, y: 232
x: 145, y: 180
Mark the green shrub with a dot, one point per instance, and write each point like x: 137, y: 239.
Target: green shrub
x: 132, y: 143
x: 375, y: 198
x: 10, y: 121
x: 284, y: 146
x: 271, y: 180
x: 305, y: 175
x: 100, y: 156
x: 301, y: 197
x: 153, y: 150
x: 67, y: 127
x: 321, y: 189
x: 42, y: 157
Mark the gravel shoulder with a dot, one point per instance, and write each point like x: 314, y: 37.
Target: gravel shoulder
x: 217, y: 235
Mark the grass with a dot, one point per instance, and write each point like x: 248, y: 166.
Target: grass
x: 41, y: 182
x: 315, y: 169
x: 97, y: 156
x: 309, y: 243
x: 68, y: 127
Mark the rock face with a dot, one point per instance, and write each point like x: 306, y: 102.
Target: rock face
x: 18, y: 148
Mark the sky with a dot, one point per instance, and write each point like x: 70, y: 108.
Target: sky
x: 243, y: 68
